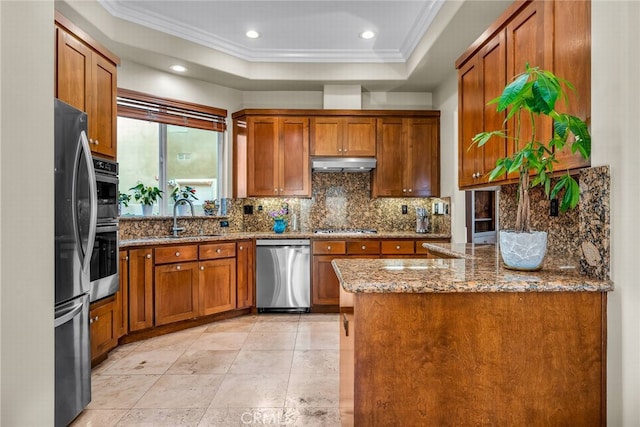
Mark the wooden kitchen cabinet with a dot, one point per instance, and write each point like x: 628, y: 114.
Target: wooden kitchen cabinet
x: 217, y: 278
x: 278, y: 156
x: 245, y: 274
x: 408, y: 158
x: 102, y: 321
x: 121, y: 317
x: 343, y: 136
x: 86, y: 78
x: 552, y: 35
x: 176, y: 292
x: 140, y: 289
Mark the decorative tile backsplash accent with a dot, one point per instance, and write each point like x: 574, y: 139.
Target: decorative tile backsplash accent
x: 582, y: 232
x: 339, y: 200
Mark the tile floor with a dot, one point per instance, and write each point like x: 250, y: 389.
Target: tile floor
x: 265, y: 369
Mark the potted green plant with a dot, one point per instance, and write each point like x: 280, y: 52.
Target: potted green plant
x: 179, y: 193
x: 123, y: 200
x: 147, y: 196
x: 534, y: 93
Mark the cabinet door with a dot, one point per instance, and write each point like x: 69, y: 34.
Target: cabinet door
x: 470, y: 108
x: 572, y: 61
x: 217, y: 286
x: 73, y: 70
x: 245, y: 267
x: 388, y: 174
x: 103, y: 334
x: 326, y: 286
x: 326, y: 136
x: 262, y: 156
x: 359, y: 137
x: 140, y: 289
x: 102, y: 117
x: 121, y: 317
x: 176, y: 289
x: 294, y: 168
x: 422, y: 162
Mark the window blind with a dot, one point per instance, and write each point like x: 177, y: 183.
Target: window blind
x: 137, y: 105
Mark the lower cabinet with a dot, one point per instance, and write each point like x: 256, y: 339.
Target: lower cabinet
x: 176, y: 292
x: 122, y: 297
x: 140, y: 289
x: 102, y: 327
x: 217, y: 286
x: 245, y: 274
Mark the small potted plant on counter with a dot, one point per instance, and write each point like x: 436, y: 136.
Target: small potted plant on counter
x: 147, y: 196
x: 534, y: 93
x: 123, y: 200
x: 178, y: 193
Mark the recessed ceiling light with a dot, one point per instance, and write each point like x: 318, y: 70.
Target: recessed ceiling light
x: 178, y: 68
x: 252, y: 34
x: 367, y: 35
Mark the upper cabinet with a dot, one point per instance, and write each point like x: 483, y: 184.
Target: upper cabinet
x: 276, y: 155
x: 85, y: 78
x: 343, y: 136
x: 408, y: 160
x: 553, y: 35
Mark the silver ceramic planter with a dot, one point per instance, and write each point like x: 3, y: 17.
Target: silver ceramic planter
x: 523, y: 251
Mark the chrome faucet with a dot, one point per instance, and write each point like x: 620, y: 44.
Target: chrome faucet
x: 175, y: 228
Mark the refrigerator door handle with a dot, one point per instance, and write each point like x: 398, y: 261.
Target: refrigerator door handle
x: 83, y: 148
x: 68, y: 315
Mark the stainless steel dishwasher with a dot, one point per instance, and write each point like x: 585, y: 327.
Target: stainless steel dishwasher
x: 283, y: 275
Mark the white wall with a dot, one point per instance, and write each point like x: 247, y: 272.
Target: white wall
x: 26, y: 213
x: 615, y: 128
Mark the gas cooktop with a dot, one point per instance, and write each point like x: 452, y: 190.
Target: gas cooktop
x: 345, y: 231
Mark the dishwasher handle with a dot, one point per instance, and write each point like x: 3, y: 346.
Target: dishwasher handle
x: 283, y: 242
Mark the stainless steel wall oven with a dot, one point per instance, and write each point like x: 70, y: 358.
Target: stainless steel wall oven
x: 104, y: 257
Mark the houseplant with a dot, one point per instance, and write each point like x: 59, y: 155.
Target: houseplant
x: 123, y: 200
x: 147, y: 196
x: 534, y: 93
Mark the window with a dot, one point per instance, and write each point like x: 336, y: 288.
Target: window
x: 169, y: 144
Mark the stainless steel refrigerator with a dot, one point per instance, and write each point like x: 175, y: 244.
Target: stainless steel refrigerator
x: 75, y: 231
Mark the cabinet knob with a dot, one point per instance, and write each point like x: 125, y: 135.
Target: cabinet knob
x: 281, y: 190
x: 126, y: 258
x: 218, y: 250
x: 410, y: 190
x: 398, y: 247
x: 177, y: 253
x: 339, y: 149
x: 148, y: 255
x: 364, y: 247
x: 178, y: 267
x: 240, y: 248
x: 97, y: 142
x: 202, y: 267
x: 328, y: 248
x: 404, y: 190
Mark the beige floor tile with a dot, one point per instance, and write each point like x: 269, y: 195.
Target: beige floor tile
x: 203, y: 362
x: 219, y: 341
x: 313, y: 391
x: 262, y: 362
x: 181, y: 391
x: 319, y: 317
x: 175, y: 341
x: 322, y: 340
x: 119, y: 391
x: 275, y: 326
x: 270, y: 341
x: 98, y: 418
x: 144, y: 362
x: 314, y: 417
x: 278, y: 317
x: 329, y: 327
x: 259, y: 390
x: 162, y: 417
x: 233, y: 325
x: 315, y: 362
x: 236, y: 417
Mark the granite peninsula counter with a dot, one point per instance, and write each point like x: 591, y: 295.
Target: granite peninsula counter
x: 464, y: 341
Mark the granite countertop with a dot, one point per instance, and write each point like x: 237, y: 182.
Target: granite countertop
x: 167, y: 240
x: 476, y: 268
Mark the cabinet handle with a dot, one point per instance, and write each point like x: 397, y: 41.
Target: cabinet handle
x: 339, y: 149
x: 281, y: 190
x: 240, y: 247
x: 126, y: 258
x: 398, y: 247
x: 364, y: 247
x: 218, y: 250
x: 404, y: 190
x: 177, y: 253
x: 178, y: 267
x: 202, y: 267
x: 328, y: 248
x: 148, y: 255
x: 410, y: 190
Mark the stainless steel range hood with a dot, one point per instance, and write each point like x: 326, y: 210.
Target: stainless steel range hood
x: 343, y: 164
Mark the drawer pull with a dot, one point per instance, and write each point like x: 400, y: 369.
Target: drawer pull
x: 202, y: 267
x: 398, y: 247
x: 218, y: 250
x: 364, y: 247
x: 178, y: 267
x: 328, y: 248
x: 148, y: 255
x: 177, y: 253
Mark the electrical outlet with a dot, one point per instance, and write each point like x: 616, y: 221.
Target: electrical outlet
x: 248, y: 209
x: 259, y: 208
x: 404, y: 209
x: 224, y: 224
x: 553, y: 211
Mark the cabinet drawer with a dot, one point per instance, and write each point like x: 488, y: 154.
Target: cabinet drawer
x: 169, y: 254
x: 400, y: 247
x: 368, y: 247
x: 217, y: 250
x: 329, y: 247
